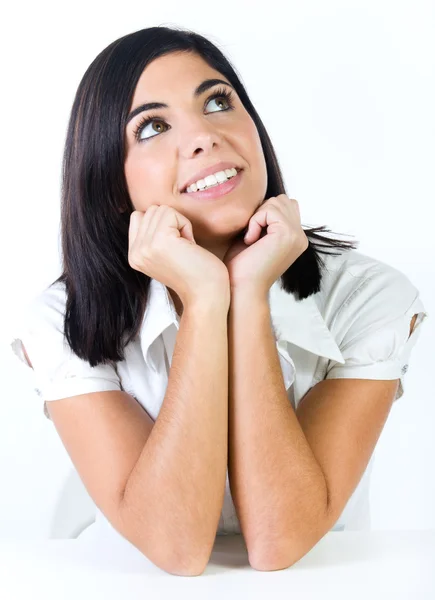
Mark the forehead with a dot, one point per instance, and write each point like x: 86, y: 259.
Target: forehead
x: 177, y: 72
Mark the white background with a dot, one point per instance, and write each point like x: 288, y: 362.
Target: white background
x: 346, y: 90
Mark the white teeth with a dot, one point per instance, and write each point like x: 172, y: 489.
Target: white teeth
x: 212, y: 180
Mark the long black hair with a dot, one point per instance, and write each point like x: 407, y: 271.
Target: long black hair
x: 105, y: 297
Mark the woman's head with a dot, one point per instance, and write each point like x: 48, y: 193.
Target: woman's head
x: 108, y: 173
x: 196, y: 131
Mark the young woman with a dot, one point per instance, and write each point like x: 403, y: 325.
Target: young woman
x: 202, y: 380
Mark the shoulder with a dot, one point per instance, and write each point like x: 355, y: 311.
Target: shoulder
x: 368, y: 306
x: 352, y: 278
x: 58, y: 371
x: 47, y: 306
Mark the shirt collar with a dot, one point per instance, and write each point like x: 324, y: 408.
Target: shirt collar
x: 296, y: 321
x: 301, y: 323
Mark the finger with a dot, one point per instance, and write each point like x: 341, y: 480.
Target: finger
x: 135, y: 221
x: 187, y: 232
x: 181, y: 226
x: 254, y: 231
x: 264, y: 217
x: 151, y: 220
x: 184, y: 227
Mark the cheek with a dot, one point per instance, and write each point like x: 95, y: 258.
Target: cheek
x: 254, y: 155
x: 259, y: 161
x: 252, y: 149
x: 148, y: 182
x: 139, y: 175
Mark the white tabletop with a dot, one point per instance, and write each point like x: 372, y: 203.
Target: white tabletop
x: 371, y: 565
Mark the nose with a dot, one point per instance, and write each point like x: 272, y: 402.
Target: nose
x: 200, y: 137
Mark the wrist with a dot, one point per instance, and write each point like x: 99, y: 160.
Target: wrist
x: 209, y: 298
x: 249, y: 294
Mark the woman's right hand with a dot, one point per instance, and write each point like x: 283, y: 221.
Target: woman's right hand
x: 162, y: 246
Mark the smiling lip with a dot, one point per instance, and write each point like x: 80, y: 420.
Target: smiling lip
x: 217, y: 190
x: 211, y: 170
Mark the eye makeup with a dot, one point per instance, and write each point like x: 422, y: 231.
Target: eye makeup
x: 220, y: 93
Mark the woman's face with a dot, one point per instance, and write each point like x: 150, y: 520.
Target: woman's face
x: 193, y: 133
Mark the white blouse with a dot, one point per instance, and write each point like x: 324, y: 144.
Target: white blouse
x: 356, y: 326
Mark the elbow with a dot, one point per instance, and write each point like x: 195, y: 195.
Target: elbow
x: 273, y: 557
x: 184, y: 560
x: 288, y: 551
x: 188, y: 565
x: 282, y: 557
x: 176, y: 560
x: 193, y: 562
x: 190, y: 570
x: 297, y: 538
x: 182, y: 554
x: 169, y: 554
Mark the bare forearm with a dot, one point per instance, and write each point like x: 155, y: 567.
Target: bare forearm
x: 271, y: 466
x: 177, y: 487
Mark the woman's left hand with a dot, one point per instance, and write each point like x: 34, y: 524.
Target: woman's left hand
x: 257, y: 262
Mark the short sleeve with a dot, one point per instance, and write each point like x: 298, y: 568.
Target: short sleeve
x: 57, y: 372
x: 375, y: 329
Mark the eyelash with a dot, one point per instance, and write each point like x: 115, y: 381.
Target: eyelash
x: 220, y: 93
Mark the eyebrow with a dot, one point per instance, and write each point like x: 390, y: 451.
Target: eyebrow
x: 202, y: 87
